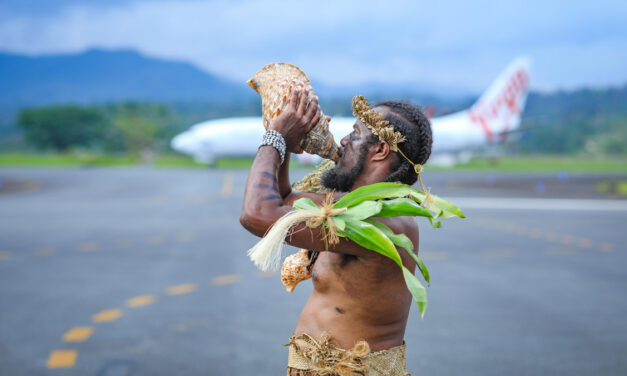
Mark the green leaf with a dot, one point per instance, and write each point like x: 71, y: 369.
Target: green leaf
x: 416, y: 289
x: 400, y: 240
x: 404, y: 242
x: 339, y: 222
x: 402, y: 207
x: 364, y: 210
x: 440, y: 206
x: 423, y: 269
x: 372, y: 192
x: 304, y: 203
x: 434, y: 223
x: 370, y: 237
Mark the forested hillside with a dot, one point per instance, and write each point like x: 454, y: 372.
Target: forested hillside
x: 592, y: 121
x: 119, y: 101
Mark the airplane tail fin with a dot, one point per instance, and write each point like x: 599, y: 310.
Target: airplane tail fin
x: 498, y: 111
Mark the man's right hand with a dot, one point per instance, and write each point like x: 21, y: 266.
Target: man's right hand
x: 297, y: 119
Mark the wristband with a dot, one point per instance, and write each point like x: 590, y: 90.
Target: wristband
x: 276, y: 140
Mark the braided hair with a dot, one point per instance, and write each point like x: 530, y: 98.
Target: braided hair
x: 411, y: 122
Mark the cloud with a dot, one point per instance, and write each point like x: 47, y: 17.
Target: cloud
x: 464, y: 44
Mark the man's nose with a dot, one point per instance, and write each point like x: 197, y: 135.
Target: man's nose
x: 344, y: 141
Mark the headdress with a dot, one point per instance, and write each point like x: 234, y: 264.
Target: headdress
x: 385, y: 131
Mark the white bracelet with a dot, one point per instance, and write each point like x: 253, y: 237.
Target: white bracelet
x: 276, y: 140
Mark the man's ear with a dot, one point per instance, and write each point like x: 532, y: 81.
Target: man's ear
x: 381, y: 151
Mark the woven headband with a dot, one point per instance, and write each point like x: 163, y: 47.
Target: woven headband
x: 384, y: 130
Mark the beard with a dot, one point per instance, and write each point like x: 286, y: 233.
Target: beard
x: 342, y: 178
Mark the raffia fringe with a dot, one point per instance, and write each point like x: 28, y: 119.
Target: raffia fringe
x: 328, y: 360
x: 266, y: 254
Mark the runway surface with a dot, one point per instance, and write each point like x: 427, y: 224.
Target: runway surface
x: 139, y: 271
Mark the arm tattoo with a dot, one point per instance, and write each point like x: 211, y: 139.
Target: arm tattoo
x: 267, y: 187
x: 271, y: 187
x: 270, y: 197
x: 271, y: 176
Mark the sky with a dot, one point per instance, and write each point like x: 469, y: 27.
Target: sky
x: 460, y: 45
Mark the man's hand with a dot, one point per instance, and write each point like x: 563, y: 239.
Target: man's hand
x: 297, y: 119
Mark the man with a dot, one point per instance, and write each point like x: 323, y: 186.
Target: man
x: 359, y: 295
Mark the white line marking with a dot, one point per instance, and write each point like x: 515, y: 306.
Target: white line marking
x: 539, y: 204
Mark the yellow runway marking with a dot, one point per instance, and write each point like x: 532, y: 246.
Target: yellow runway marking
x: 4, y: 255
x: 227, y: 185
x: 78, y: 334
x: 45, y: 251
x: 263, y: 274
x: 185, y: 237
x: 584, y: 243
x: 225, y: 280
x: 550, y: 236
x: 509, y: 227
x: 156, y: 240
x: 62, y: 359
x: 107, y: 315
x: 181, y: 289
x: 567, y: 239
x: 606, y: 247
x: 140, y: 301
x: 87, y: 247
x: 31, y: 186
x: 498, y: 252
x: 434, y: 255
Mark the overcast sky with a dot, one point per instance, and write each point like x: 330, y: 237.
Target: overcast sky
x: 459, y: 44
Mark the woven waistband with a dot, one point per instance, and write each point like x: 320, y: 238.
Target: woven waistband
x: 389, y: 362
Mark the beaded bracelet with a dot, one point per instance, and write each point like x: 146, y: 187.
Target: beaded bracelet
x: 276, y: 140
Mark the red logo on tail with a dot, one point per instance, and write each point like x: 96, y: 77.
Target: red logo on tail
x: 484, y: 113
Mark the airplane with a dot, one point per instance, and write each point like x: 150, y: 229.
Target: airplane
x: 488, y: 121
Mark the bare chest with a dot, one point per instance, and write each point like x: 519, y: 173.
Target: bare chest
x: 342, y: 273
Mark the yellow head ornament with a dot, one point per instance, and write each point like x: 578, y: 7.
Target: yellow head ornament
x: 385, y: 131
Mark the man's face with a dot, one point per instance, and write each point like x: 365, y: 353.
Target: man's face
x: 347, y: 170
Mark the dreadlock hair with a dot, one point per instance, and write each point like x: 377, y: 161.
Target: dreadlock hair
x: 411, y: 122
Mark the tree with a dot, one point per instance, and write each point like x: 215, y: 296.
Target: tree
x: 62, y: 127
x: 138, y: 132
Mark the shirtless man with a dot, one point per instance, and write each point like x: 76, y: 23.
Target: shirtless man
x: 358, y: 294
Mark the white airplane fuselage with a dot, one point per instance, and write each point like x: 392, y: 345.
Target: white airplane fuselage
x: 496, y: 113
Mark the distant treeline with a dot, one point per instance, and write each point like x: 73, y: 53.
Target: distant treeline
x: 582, y: 121
x: 588, y: 121
x: 124, y: 127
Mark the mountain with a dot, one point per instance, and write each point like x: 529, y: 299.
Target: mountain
x: 101, y: 75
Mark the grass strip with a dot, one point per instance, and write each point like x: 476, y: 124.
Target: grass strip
x: 547, y: 163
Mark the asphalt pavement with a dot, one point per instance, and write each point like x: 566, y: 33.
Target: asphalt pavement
x: 142, y: 271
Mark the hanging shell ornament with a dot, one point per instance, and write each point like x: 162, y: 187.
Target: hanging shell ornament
x: 274, y: 83
x: 295, y: 269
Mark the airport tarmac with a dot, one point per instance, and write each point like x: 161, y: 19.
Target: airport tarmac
x: 142, y: 271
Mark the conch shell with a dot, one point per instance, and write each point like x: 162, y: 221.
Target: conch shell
x: 295, y: 269
x: 274, y: 83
